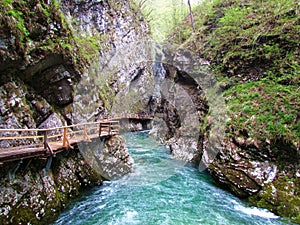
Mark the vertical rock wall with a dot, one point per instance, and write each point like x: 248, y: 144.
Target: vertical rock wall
x: 41, y: 66
x: 34, y: 191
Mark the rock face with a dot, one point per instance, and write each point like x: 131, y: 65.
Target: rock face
x: 131, y: 125
x: 35, y: 192
x: 114, y: 159
x: 179, y: 104
x: 44, y: 56
x: 123, y: 39
x: 109, y: 157
x: 73, y: 65
x: 265, y: 173
x: 34, y: 195
x: 258, y: 157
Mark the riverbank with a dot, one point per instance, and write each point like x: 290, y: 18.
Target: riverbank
x: 253, y: 50
x: 35, y: 191
x: 162, y: 190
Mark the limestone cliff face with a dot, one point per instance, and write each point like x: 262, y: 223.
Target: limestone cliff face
x: 66, y: 57
x: 178, y: 103
x: 110, y: 157
x: 121, y: 58
x: 36, y: 195
x: 35, y: 191
x: 258, y: 157
x: 265, y: 173
x: 49, y: 51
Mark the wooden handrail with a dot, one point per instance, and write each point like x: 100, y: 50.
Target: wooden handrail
x: 44, y: 134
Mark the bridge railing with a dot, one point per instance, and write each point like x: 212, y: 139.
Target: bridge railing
x: 131, y: 116
x: 59, y: 135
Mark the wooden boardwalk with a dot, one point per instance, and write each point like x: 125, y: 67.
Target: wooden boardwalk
x: 35, y: 143
x: 129, y: 116
x: 46, y: 142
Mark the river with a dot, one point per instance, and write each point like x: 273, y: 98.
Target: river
x: 161, y: 190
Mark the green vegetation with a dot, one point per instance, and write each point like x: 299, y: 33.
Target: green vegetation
x: 41, y: 28
x: 267, y: 109
x: 254, y: 49
x: 286, y: 202
x: 164, y: 16
x: 14, y: 18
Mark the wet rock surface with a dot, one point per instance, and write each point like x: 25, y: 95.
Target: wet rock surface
x: 264, y: 172
x: 36, y: 194
x: 39, y: 85
x: 36, y: 190
x: 109, y: 156
x: 180, y: 105
x: 267, y: 177
x: 114, y: 159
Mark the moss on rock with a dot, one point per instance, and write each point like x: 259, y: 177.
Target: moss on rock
x: 281, y: 197
x: 253, y: 47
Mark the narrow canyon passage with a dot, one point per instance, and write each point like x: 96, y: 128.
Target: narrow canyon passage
x: 161, y: 190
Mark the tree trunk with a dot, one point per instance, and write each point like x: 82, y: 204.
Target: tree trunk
x: 191, y: 15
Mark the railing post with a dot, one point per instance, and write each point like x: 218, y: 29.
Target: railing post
x: 47, y: 147
x: 66, y: 143
x: 109, y: 129
x: 45, y: 140
x: 85, y: 134
x: 100, y: 127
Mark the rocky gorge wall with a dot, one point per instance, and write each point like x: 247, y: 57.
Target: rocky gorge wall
x: 49, y: 51
x: 264, y: 173
x: 35, y: 191
x: 86, y: 59
x: 258, y: 157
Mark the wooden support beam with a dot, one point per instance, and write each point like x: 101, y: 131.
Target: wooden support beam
x: 59, y: 141
x: 85, y: 134
x: 100, y: 129
x: 50, y: 149
x: 45, y: 139
x: 66, y: 143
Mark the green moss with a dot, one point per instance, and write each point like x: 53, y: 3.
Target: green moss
x: 29, y: 22
x: 280, y: 197
x: 265, y: 108
x: 253, y: 47
x: 14, y: 17
x: 255, y: 42
x: 238, y: 34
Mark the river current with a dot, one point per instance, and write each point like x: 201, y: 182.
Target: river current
x: 161, y: 190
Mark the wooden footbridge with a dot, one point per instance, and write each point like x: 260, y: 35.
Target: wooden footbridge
x: 35, y: 143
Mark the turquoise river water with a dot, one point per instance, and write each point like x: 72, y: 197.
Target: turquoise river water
x: 161, y: 190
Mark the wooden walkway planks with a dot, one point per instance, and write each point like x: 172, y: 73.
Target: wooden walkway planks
x: 45, y: 147
x: 51, y: 141
x: 132, y: 116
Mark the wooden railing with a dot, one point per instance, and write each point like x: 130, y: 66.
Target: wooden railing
x: 18, y: 144
x: 60, y: 137
x: 141, y: 116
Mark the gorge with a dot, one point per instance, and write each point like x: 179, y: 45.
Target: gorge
x: 222, y: 98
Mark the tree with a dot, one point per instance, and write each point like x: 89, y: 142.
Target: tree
x: 191, y: 15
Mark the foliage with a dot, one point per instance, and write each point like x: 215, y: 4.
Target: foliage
x: 266, y: 109
x: 254, y: 49
x: 42, y: 28
x: 163, y: 16
x: 14, y: 17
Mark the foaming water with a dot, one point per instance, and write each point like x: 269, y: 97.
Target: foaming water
x: 161, y: 190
